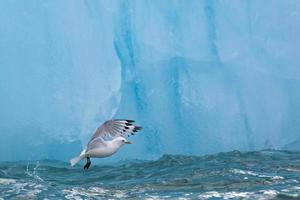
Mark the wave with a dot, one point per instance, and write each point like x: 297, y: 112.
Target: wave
x: 266, y: 174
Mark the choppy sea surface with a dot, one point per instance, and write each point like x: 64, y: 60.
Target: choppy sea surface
x: 266, y: 174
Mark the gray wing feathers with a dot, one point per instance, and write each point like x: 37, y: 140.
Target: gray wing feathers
x: 95, y: 143
x: 116, y: 127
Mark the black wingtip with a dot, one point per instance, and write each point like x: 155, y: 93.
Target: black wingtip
x: 136, y: 129
x: 124, y: 120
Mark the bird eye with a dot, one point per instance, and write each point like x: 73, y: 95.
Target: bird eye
x: 123, y: 140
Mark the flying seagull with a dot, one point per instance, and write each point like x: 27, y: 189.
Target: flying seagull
x: 99, y: 146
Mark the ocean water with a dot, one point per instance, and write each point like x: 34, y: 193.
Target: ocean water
x: 267, y: 174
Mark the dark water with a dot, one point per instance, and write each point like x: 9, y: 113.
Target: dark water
x: 235, y: 175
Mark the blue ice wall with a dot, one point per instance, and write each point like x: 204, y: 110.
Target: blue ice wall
x: 199, y: 76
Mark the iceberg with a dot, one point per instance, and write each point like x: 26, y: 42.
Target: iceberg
x: 199, y: 76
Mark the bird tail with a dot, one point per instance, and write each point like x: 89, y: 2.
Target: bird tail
x: 75, y: 160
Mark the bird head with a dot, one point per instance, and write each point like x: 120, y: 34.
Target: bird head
x: 121, y: 141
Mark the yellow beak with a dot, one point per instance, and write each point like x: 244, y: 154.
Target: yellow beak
x: 128, y: 142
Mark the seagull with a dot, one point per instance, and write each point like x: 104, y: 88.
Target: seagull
x: 100, y: 146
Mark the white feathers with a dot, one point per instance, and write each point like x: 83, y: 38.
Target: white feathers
x: 75, y: 160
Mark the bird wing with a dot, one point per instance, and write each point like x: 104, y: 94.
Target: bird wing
x: 116, y: 127
x: 96, y: 143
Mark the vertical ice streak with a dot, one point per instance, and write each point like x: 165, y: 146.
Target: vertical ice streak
x: 232, y: 78
x: 133, y: 100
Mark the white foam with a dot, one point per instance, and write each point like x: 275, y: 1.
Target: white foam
x: 243, y: 172
x: 251, y: 173
x: 270, y: 192
x: 7, y: 181
x: 261, y: 195
x: 92, y: 192
x: 152, y: 197
x: 211, y: 194
x: 34, y: 172
x: 120, y: 194
x: 292, y: 169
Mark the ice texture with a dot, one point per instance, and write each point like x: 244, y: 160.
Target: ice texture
x: 199, y: 76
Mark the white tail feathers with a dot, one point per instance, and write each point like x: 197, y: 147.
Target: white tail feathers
x: 75, y: 160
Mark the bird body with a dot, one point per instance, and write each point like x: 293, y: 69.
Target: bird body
x: 98, y: 147
x: 107, y: 148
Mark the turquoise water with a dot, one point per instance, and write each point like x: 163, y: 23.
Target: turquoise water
x: 267, y: 174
